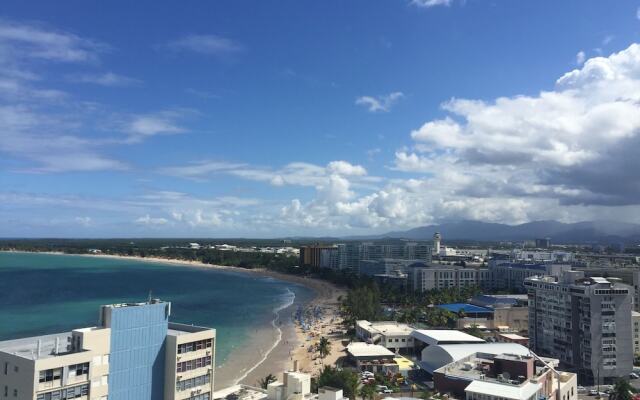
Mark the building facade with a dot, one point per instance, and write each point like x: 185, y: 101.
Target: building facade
x: 313, y: 255
x: 510, y: 276
x: 126, y: 357
x: 423, y: 277
x: 351, y: 254
x: 585, y: 323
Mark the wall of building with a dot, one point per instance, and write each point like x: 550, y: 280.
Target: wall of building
x: 137, y: 351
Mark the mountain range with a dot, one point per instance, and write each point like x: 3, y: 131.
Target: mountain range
x: 603, y: 232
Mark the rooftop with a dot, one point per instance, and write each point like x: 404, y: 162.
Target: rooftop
x: 498, y: 389
x: 176, y: 329
x: 440, y: 336
x: 513, y: 336
x: 361, y: 349
x: 28, y: 347
x: 466, y: 308
x: 386, y: 327
x: 240, y: 392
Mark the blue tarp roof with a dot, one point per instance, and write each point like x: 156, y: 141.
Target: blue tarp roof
x: 467, y: 308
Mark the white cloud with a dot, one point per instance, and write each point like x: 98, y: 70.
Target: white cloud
x: 84, y: 221
x: 147, y: 125
x: 345, y: 168
x: 580, y: 57
x: 295, y: 173
x: 106, y: 79
x: 431, y: 3
x: 20, y: 41
x: 29, y: 135
x: 210, y: 45
x: 149, y: 221
x: 568, y: 154
x: 381, y: 103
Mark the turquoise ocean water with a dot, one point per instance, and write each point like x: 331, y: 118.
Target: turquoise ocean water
x: 45, y: 293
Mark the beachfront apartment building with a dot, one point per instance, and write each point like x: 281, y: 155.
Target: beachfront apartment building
x: 135, y: 353
x: 423, y: 277
x: 348, y: 256
x: 584, y: 322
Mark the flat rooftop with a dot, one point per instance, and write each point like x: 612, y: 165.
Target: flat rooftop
x: 176, y: 329
x: 28, y: 347
x: 386, y: 327
x: 361, y: 349
x: 241, y: 392
x: 444, y: 336
x: 499, y: 389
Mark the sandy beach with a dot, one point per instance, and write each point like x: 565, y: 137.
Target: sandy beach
x: 273, y: 349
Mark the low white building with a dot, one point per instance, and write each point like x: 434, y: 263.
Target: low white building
x: 390, y: 334
x: 371, y: 357
x: 432, y: 337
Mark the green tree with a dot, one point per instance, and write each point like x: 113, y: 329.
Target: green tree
x: 474, y: 330
x: 324, y: 348
x: 622, y: 391
x: 367, y: 392
x: 346, y: 380
x: 264, y: 382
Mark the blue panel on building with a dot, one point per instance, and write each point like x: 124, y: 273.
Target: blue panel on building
x: 136, y: 363
x: 466, y: 308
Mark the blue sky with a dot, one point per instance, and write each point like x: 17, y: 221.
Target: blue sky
x: 236, y: 118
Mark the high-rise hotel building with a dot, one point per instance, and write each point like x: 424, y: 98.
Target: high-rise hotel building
x: 135, y: 353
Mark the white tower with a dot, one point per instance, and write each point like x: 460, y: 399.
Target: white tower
x: 436, y: 243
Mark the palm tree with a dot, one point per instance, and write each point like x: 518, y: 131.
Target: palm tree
x: 367, y: 392
x: 324, y: 348
x: 264, y: 382
x: 622, y: 391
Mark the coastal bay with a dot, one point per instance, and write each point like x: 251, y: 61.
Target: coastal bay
x: 251, y: 309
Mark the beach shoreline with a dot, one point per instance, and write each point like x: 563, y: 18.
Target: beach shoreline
x: 270, y: 349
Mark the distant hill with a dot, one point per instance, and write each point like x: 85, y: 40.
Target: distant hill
x: 577, y: 233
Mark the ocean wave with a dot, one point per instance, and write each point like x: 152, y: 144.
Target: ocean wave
x: 288, y: 299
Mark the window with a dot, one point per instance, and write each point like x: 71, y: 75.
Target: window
x: 79, y: 369
x: 6, y: 368
x: 193, y: 364
x: 193, y: 382
x: 194, y: 346
x: 65, y: 394
x: 50, y: 375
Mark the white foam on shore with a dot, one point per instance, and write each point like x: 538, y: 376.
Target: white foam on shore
x: 290, y: 299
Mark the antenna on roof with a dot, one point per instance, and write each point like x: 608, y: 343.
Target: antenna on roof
x: 150, y: 296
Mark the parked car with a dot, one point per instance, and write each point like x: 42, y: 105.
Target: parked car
x: 633, y: 375
x: 593, y: 392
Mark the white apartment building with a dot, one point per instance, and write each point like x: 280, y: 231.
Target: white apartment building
x: 423, y: 277
x: 584, y: 322
x: 135, y: 352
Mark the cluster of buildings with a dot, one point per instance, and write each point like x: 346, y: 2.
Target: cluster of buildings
x: 462, y: 365
x: 135, y: 353
x: 286, y: 250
